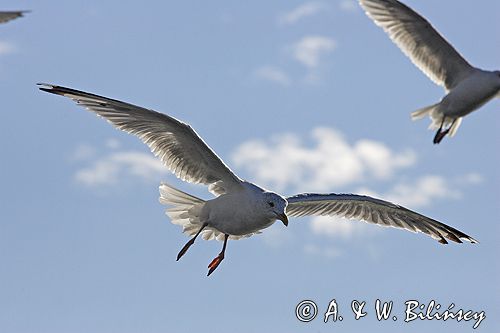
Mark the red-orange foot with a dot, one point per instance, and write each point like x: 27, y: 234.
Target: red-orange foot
x: 215, y: 263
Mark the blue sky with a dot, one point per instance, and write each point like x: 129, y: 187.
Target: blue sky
x: 271, y: 86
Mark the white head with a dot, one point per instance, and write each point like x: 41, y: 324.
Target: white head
x: 274, y: 206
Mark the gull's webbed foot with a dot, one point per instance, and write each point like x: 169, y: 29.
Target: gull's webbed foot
x: 440, y: 134
x: 215, y: 263
x: 217, y: 260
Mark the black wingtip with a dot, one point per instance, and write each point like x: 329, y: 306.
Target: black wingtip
x: 454, y: 238
x: 50, y: 88
x: 442, y: 241
x: 457, y: 237
x: 472, y: 240
x: 46, y: 87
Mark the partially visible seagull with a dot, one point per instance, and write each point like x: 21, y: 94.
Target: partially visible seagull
x: 8, y: 16
x: 240, y: 208
x: 467, y: 87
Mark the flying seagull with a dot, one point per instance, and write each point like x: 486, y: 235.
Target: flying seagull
x: 240, y: 208
x: 467, y: 87
x: 8, y: 16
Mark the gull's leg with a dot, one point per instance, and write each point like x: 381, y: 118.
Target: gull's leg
x: 190, y: 242
x: 440, y: 134
x: 452, y: 123
x: 215, y: 263
x: 438, y: 139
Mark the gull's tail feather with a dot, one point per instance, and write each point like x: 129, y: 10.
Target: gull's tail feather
x: 437, y: 116
x: 420, y: 113
x: 185, y: 209
x: 455, y: 126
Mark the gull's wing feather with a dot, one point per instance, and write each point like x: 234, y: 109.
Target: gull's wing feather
x: 178, y: 146
x: 416, y: 37
x: 8, y: 16
x: 372, y: 210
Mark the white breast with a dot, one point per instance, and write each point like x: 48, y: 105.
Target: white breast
x: 236, y: 214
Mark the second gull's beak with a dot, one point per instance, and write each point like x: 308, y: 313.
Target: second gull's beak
x: 283, y: 218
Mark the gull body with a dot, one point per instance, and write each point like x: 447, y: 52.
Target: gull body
x: 470, y: 94
x: 467, y: 87
x: 239, y: 208
x: 250, y: 206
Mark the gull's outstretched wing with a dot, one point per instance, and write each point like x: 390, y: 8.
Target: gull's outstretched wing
x: 372, y: 210
x: 8, y: 16
x: 416, y: 37
x: 178, y: 146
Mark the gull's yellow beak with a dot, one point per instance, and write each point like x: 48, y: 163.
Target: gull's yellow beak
x: 283, y: 218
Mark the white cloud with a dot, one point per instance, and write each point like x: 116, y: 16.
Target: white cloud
x: 309, y: 50
x: 275, y: 237
x: 348, y: 5
x: 300, y: 12
x: 328, y: 252
x: 423, y: 192
x: 472, y: 178
x: 112, y: 143
x: 380, y: 160
x: 6, y: 48
x: 273, y: 74
x: 337, y: 227
x: 116, y: 166
x: 83, y: 152
x: 285, y: 162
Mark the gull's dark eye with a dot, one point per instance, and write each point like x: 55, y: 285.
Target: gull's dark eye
x: 271, y: 204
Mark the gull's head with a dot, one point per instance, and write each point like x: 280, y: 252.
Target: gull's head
x: 274, y: 205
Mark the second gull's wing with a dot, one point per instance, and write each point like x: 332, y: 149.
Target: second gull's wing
x: 416, y: 37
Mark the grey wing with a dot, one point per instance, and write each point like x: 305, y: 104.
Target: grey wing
x: 372, y: 210
x: 178, y: 146
x: 8, y: 16
x: 416, y: 37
